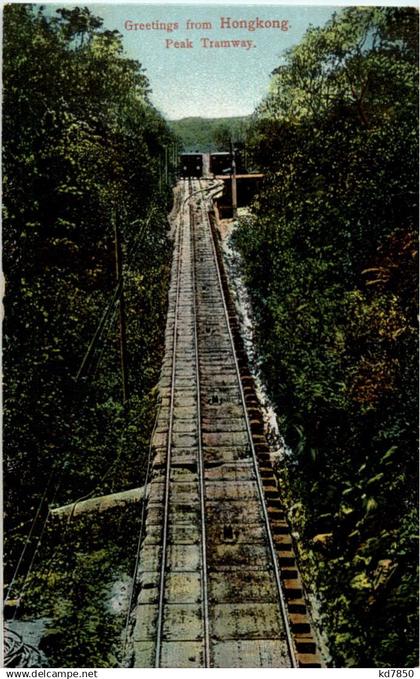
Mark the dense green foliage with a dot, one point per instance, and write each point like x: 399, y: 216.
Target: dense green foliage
x: 82, y: 146
x: 208, y: 134
x: 330, y: 257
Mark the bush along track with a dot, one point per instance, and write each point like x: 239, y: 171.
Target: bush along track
x: 83, y: 149
x: 330, y: 261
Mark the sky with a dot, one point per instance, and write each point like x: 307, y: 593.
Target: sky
x: 203, y: 79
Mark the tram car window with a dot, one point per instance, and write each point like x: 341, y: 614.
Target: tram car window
x: 191, y: 164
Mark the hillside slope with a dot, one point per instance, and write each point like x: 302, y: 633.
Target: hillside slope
x: 208, y: 134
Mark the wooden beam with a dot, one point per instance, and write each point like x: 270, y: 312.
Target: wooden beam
x: 98, y: 504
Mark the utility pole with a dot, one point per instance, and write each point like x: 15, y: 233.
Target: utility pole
x: 166, y: 166
x: 175, y: 163
x: 233, y: 175
x: 120, y: 283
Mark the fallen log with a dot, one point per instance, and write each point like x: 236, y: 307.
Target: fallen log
x: 98, y: 504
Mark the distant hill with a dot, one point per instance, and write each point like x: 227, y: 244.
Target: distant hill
x: 208, y: 134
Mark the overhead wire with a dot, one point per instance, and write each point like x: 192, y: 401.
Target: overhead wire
x: 98, y: 332
x: 105, y: 344
x: 29, y: 536
x: 38, y: 543
x: 84, y: 365
x: 137, y: 242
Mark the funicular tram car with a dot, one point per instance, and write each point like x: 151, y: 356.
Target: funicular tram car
x: 221, y: 163
x: 191, y: 164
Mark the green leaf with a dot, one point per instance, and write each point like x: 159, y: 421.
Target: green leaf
x: 346, y: 509
x: 389, y: 453
x: 375, y: 479
x: 371, y: 505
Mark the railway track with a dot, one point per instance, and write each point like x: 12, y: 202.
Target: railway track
x: 217, y: 581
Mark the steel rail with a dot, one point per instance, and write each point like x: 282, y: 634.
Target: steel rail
x: 158, y: 645
x: 204, y: 583
x: 283, y: 608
